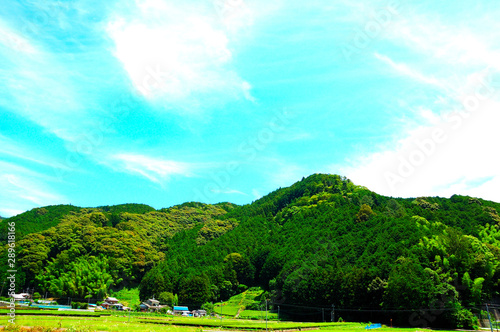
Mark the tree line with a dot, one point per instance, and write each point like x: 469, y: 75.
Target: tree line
x: 323, y: 241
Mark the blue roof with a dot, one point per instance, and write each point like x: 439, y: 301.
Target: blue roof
x: 181, y: 308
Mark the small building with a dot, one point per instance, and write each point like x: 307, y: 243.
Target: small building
x: 111, y: 300
x: 106, y: 305
x: 117, y: 306
x: 179, y: 310
x: 199, y: 313
x: 151, y: 305
x: 112, y: 303
x: 21, y: 297
x: 153, y: 302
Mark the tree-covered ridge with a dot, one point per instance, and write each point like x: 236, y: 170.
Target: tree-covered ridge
x: 326, y: 241
x: 36, y: 220
x: 130, y: 207
x: 123, y: 244
x: 40, y: 219
x: 321, y: 241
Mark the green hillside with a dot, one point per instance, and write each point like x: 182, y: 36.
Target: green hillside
x: 36, y: 220
x: 323, y: 241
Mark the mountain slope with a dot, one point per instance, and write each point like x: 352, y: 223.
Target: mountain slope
x: 324, y: 240
x: 319, y: 242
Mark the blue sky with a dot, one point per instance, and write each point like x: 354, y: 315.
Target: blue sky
x: 162, y: 102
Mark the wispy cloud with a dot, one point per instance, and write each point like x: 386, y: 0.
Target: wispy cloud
x: 15, y: 41
x: 228, y: 191
x: 23, y: 189
x: 39, y: 86
x: 154, y: 169
x: 177, y: 55
x: 451, y: 154
x: 458, y: 43
x: 404, y: 69
x: 446, y: 150
x: 10, y: 148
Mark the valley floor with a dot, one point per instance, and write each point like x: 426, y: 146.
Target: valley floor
x: 178, y: 324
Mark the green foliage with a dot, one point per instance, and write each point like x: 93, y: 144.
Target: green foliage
x: 241, y: 266
x: 85, y: 277
x: 79, y: 305
x: 36, y: 220
x: 213, y: 229
x: 130, y: 208
x: 168, y: 298
x: 424, y: 204
x: 129, y: 297
x: 364, y: 213
x: 195, y: 289
x: 319, y: 242
x: 209, y: 307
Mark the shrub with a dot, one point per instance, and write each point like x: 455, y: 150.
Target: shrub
x: 209, y: 307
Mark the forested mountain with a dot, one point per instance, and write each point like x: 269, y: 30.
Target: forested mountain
x: 321, y: 242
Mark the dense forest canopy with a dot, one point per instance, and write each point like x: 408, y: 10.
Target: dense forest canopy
x: 323, y: 241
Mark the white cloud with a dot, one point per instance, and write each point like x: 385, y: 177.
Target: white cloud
x: 24, y: 189
x: 453, y: 154
x: 15, y: 41
x: 177, y: 54
x: 39, y: 86
x: 154, y: 169
x: 228, y: 191
x: 410, y: 72
x: 13, y: 149
x: 6, y: 213
x: 458, y: 43
x: 284, y: 175
x: 449, y: 147
x: 256, y: 194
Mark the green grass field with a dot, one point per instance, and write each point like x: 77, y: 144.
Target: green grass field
x: 245, y: 306
x: 178, y: 324
x: 258, y: 314
x: 237, y: 305
x: 129, y: 297
x: 51, y: 312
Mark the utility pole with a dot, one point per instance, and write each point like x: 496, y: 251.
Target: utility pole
x: 266, y: 314
x: 2, y: 288
x: 221, y: 313
x: 333, y: 313
x: 489, y: 317
x: 278, y: 312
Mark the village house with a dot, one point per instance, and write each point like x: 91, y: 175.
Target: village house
x: 184, y: 311
x: 151, y: 305
x: 113, y: 303
x: 21, y: 297
x: 199, y: 313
